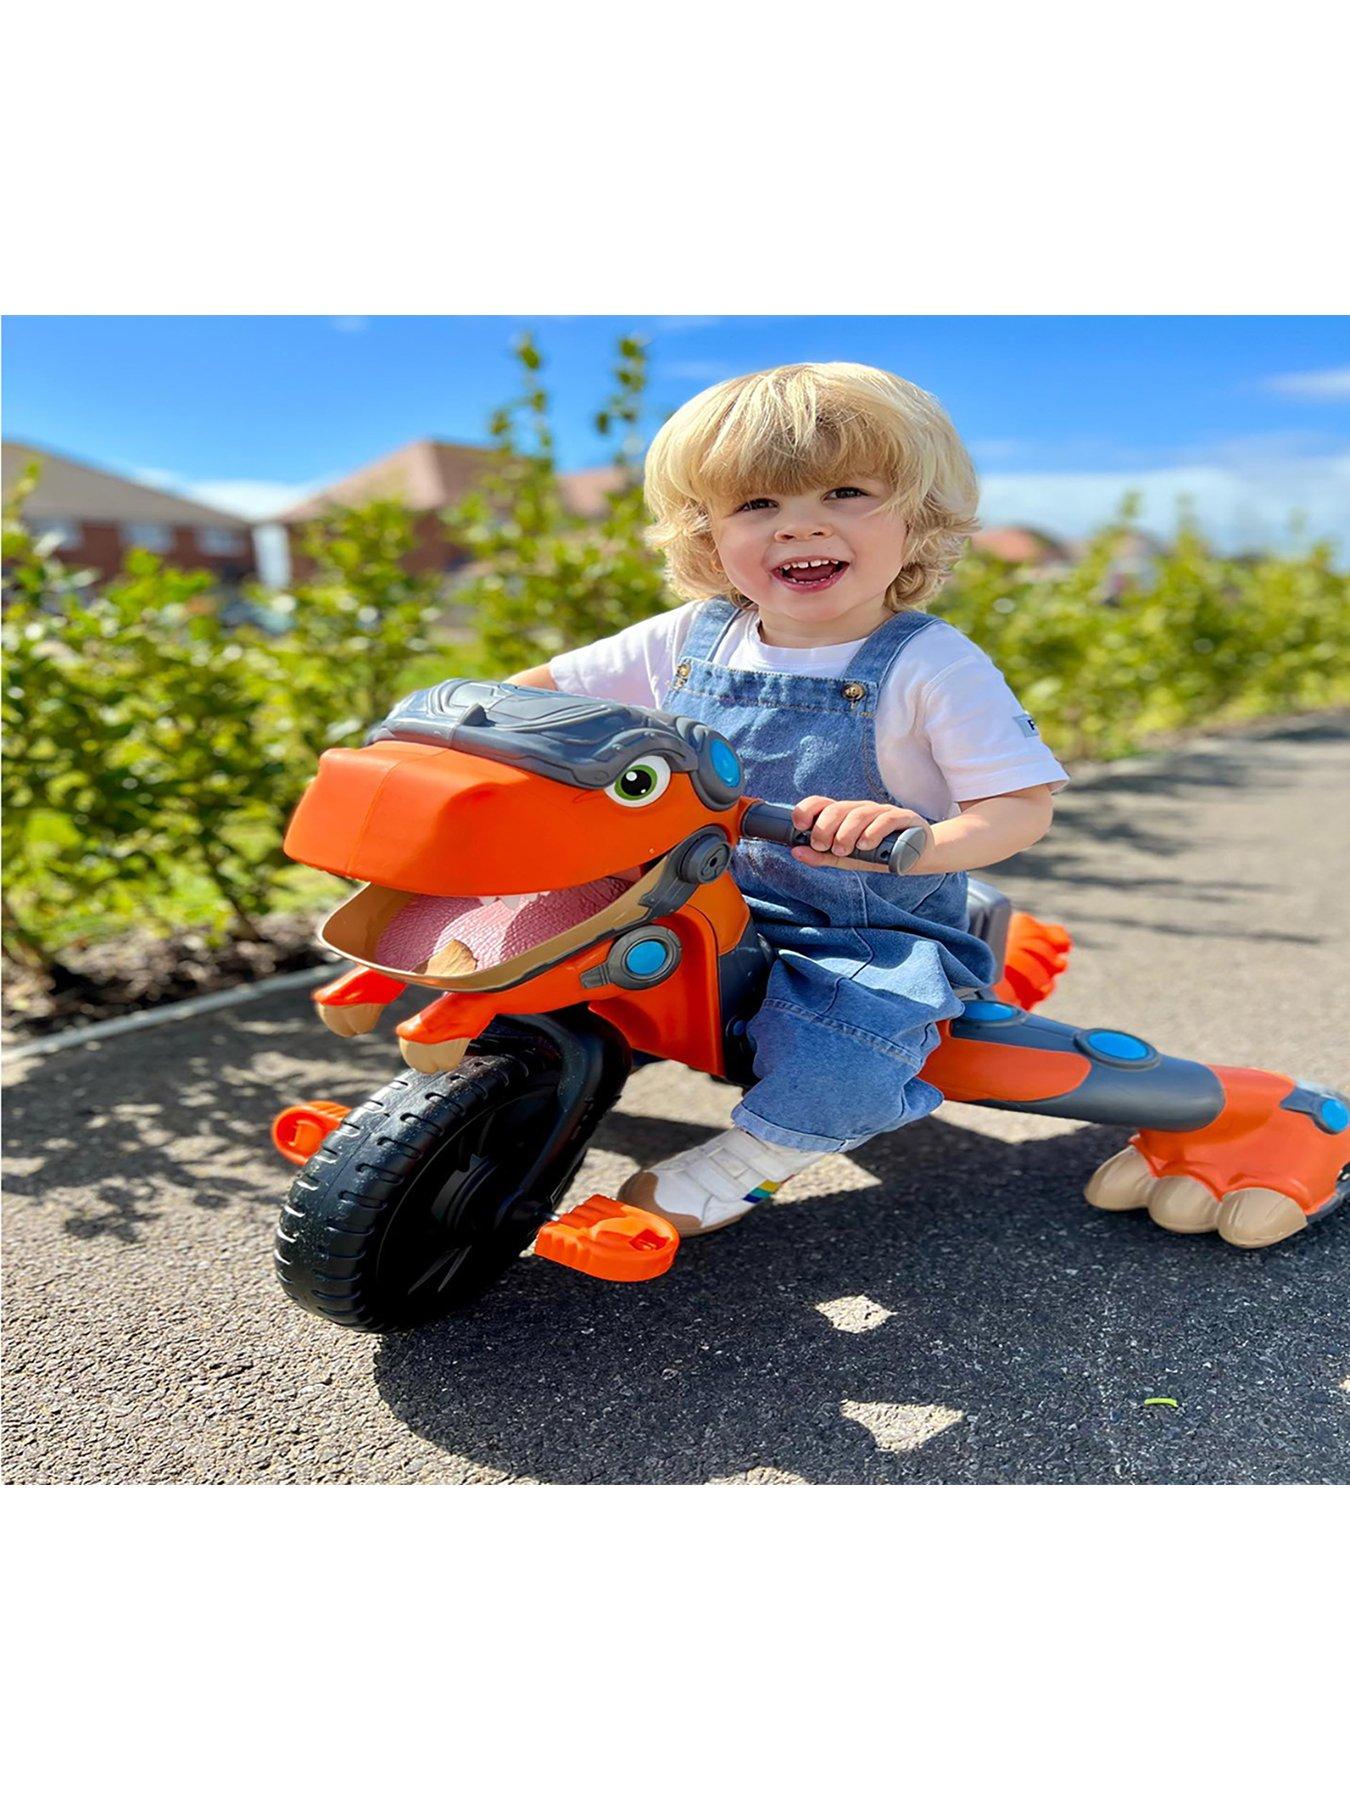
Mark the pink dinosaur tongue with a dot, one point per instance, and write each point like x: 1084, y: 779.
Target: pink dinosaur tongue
x: 493, y: 932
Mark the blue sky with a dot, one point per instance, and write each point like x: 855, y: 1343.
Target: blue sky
x: 1250, y: 417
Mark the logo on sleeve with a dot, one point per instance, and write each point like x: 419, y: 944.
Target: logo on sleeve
x: 1026, y: 725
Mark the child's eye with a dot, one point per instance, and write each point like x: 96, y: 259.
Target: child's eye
x: 847, y: 488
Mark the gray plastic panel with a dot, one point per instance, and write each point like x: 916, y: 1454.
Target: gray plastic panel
x: 1163, y: 1093
x: 583, y: 742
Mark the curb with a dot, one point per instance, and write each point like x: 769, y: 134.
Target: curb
x: 164, y: 1015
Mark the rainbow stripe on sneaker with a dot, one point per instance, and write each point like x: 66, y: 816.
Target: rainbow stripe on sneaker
x: 765, y: 1191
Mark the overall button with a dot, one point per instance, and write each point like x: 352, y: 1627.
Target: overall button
x: 853, y: 690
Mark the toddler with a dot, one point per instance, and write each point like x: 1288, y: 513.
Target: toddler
x: 807, y: 514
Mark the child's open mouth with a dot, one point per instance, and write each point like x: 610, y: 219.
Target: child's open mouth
x: 810, y: 576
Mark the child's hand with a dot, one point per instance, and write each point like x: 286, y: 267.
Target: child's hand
x: 838, y: 827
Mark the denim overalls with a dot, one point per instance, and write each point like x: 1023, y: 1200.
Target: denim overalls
x: 864, y: 965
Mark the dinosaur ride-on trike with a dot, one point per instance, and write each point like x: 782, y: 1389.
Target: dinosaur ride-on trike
x: 642, y: 948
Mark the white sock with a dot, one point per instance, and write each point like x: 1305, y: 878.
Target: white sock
x: 714, y: 1183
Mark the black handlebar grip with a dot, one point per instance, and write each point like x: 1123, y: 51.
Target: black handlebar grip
x: 899, y: 851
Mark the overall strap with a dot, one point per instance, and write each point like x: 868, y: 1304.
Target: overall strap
x: 875, y: 655
x: 708, y: 627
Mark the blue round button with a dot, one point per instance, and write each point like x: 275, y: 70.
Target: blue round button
x: 1333, y: 1115
x: 1118, y: 1045
x: 726, y: 762
x: 646, y: 958
x: 990, y: 1012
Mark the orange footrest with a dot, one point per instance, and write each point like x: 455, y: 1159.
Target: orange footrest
x: 299, y: 1131
x: 614, y: 1242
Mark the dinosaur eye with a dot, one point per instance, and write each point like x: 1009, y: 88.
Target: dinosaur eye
x: 641, y: 782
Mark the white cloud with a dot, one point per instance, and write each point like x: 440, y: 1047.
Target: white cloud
x: 252, y: 499
x: 1312, y: 384
x: 1243, y: 496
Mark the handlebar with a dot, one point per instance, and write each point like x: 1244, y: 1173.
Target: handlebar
x: 897, y: 852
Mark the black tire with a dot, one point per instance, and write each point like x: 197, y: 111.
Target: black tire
x: 426, y: 1193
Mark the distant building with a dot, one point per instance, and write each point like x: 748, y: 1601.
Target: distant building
x: 97, y: 517
x: 427, y: 476
x: 1027, y: 546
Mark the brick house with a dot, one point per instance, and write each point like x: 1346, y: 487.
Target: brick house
x: 97, y: 517
x: 427, y: 475
x: 1024, y: 544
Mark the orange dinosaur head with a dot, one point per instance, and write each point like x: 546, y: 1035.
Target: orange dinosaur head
x: 501, y: 829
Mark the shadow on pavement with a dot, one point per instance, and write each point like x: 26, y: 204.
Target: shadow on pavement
x: 1043, y: 1324
x: 114, y: 1131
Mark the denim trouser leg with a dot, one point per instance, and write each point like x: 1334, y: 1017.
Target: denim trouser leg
x: 807, y: 1068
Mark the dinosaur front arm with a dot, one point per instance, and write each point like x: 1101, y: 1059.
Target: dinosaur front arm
x: 352, y: 1003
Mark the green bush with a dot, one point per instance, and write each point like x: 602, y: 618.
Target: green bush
x: 153, y: 754
x: 1207, y: 640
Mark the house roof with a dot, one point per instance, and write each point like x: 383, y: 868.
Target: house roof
x: 1021, y: 544
x: 429, y: 474
x: 67, y: 489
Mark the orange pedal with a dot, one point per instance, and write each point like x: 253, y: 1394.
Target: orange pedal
x: 614, y: 1242
x: 299, y: 1131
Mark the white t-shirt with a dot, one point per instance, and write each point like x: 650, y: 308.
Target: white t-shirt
x: 948, y: 726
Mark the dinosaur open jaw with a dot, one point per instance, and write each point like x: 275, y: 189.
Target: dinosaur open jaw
x: 477, y: 941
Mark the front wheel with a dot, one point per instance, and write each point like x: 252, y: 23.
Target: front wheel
x: 426, y: 1193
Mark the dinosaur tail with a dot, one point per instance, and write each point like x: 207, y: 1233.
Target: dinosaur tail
x: 1036, y: 957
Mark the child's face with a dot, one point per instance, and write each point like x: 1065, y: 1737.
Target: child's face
x: 757, y: 535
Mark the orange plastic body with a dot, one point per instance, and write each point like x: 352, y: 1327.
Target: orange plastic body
x: 359, y: 987
x: 971, y: 1069
x: 681, y: 1018
x: 1036, y: 955
x: 429, y: 820
x: 609, y: 1240
x: 1252, y: 1143
x: 299, y: 1130
x: 424, y: 819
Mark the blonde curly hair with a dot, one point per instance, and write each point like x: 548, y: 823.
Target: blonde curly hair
x: 803, y: 426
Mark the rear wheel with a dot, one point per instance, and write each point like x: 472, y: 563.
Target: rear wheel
x: 426, y: 1193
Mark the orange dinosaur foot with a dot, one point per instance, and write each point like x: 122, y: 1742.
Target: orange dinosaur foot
x: 1275, y: 1160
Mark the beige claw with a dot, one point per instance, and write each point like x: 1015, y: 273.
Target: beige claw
x: 349, y: 1021
x: 433, y: 1059
x: 1251, y: 1218
x: 1181, y: 1203
x: 1122, y: 1182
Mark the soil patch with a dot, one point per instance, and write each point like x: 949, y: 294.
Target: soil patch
x: 137, y: 970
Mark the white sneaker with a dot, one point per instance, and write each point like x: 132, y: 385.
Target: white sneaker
x: 716, y: 1183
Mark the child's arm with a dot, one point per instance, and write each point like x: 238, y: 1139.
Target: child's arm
x: 988, y: 831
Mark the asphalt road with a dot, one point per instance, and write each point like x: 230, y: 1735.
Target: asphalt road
x: 939, y: 1306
